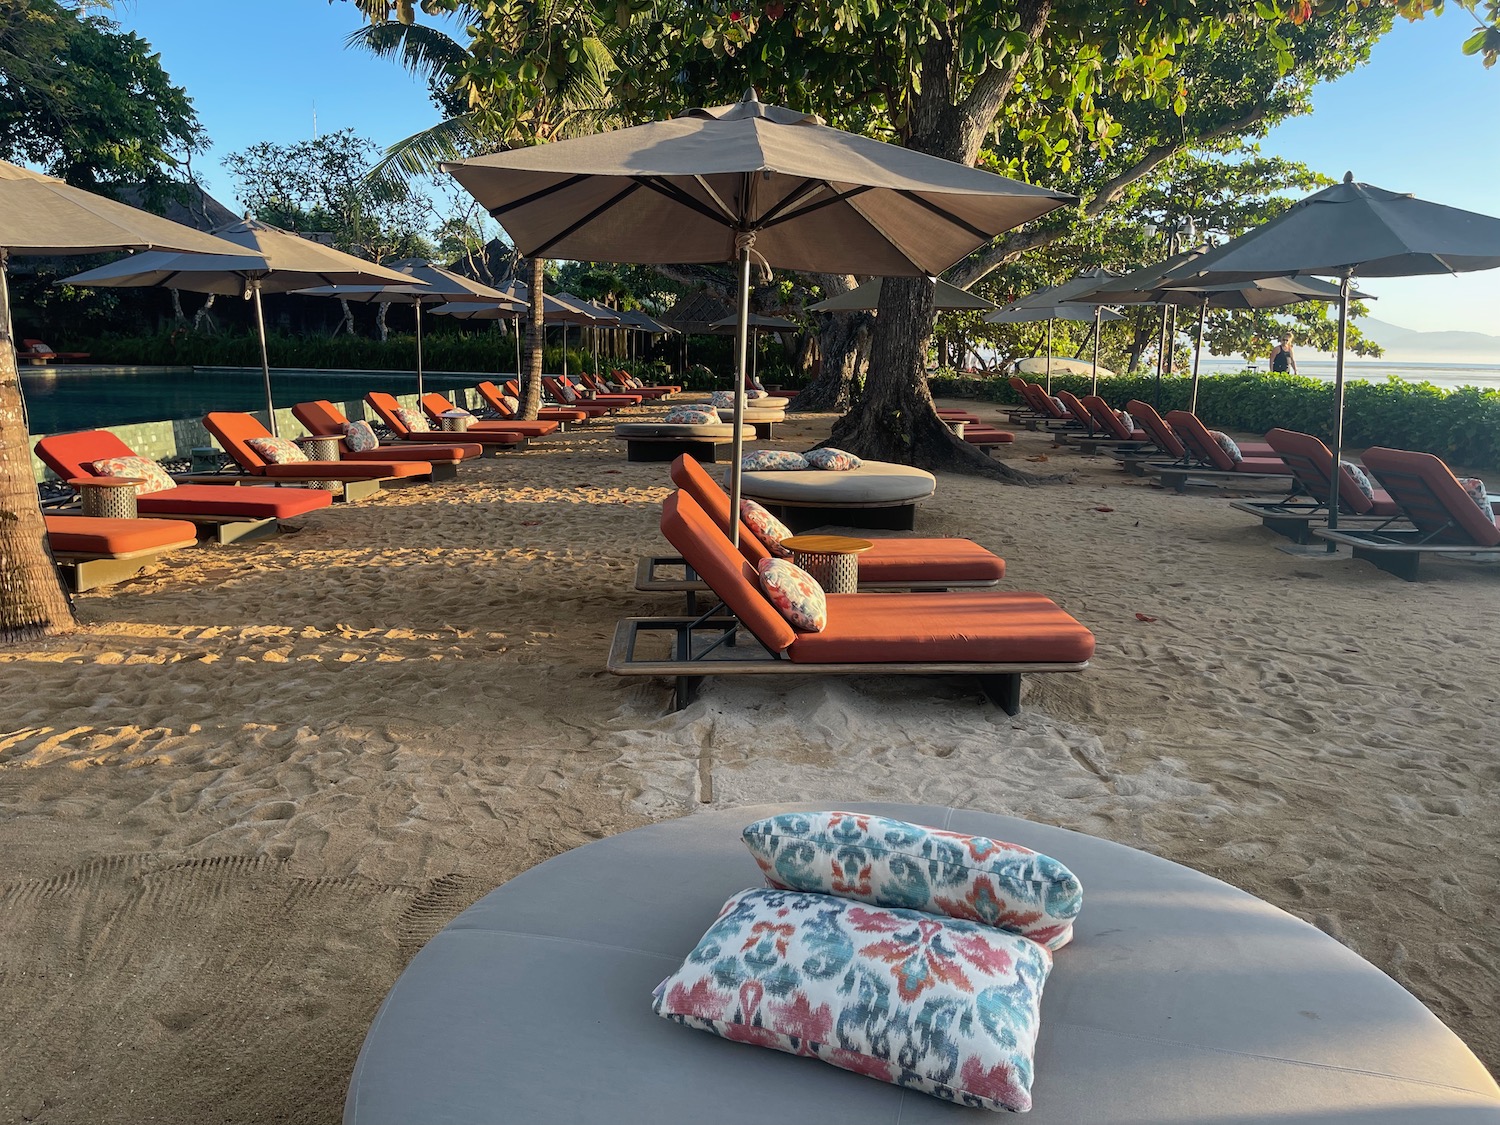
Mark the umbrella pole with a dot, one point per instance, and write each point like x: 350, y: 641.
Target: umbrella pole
x: 517, y: 325
x: 1338, y: 407
x: 741, y: 334
x: 265, y: 362
x: 418, y: 304
x: 1098, y: 320
x: 1197, y: 351
x: 1049, y: 355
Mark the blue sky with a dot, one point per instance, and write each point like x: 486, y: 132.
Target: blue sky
x: 1419, y: 118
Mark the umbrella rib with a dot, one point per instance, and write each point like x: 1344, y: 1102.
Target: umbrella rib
x: 841, y: 197
x: 629, y: 189
x: 943, y: 213
x: 677, y: 195
x: 542, y: 193
x: 802, y: 191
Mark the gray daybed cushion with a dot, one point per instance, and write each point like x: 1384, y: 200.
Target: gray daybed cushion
x: 647, y: 430
x: 874, y: 482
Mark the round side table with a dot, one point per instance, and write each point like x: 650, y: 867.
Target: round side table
x: 456, y: 422
x: 957, y: 426
x: 323, y: 447
x: 832, y: 560
x: 108, y: 498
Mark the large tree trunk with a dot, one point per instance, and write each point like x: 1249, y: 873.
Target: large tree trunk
x: 33, y: 602
x: 536, y: 338
x: 838, y: 356
x: 895, y: 419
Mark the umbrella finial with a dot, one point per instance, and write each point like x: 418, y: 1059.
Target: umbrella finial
x: 750, y: 95
x: 1348, y: 177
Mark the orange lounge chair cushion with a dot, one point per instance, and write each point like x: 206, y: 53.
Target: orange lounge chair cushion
x: 973, y: 627
x: 86, y: 535
x: 1430, y: 496
x: 73, y: 455
x: 436, y: 406
x: 429, y: 451
x: 1311, y: 461
x: 345, y: 470
x: 248, y: 502
x: 1145, y: 416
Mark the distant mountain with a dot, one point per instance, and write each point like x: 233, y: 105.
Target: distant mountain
x: 1405, y: 343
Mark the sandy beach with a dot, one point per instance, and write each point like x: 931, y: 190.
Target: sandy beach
x: 240, y: 798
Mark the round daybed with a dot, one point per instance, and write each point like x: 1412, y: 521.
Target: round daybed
x: 665, y: 441
x: 1180, y: 1001
x: 877, y: 494
x: 762, y: 413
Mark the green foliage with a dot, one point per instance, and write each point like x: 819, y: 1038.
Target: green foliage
x: 323, y: 185
x: 1461, y: 426
x: 90, y: 103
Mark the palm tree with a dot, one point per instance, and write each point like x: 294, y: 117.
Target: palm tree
x: 577, y: 101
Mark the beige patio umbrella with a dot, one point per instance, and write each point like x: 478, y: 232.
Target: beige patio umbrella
x: 430, y: 284
x: 42, y: 217
x: 867, y: 296
x: 271, y: 261
x: 747, y: 182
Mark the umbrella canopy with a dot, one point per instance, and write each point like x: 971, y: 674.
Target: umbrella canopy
x: 867, y: 296
x: 429, y: 284
x: 41, y: 216
x: 639, y: 322
x: 744, y: 181
x: 755, y: 322
x: 272, y: 260
x: 1348, y: 230
x: 1075, y: 290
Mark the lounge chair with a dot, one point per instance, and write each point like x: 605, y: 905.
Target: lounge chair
x: 323, y: 419
x: 1445, y: 519
x: 360, y: 479
x: 633, y: 386
x: 94, y: 552
x: 38, y: 352
x: 566, y: 391
x: 1211, y: 464
x: 599, y: 386
x: 1312, y: 464
x: 495, y: 397
x: 1111, y: 432
x: 387, y: 409
x: 567, y: 396
x: 435, y: 405
x: 892, y: 564
x: 229, y: 512
x: 985, y: 633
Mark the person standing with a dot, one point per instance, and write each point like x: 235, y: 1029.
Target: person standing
x: 1282, y: 359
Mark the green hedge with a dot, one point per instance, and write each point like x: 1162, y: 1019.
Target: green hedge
x: 1461, y: 426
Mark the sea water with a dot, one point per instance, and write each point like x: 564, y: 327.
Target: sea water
x: 1486, y: 376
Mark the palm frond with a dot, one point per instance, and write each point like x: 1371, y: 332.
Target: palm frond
x: 422, y: 153
x: 424, y: 51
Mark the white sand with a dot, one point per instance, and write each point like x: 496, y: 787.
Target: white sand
x: 237, y: 801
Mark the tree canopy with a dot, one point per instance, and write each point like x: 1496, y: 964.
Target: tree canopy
x: 90, y: 103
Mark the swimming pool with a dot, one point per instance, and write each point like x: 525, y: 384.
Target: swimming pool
x: 62, y: 400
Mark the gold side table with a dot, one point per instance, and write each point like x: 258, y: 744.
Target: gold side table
x: 323, y: 447
x: 832, y: 560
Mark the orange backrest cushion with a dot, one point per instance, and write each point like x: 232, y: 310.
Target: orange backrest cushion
x: 1431, y: 497
x: 492, y: 395
x: 1155, y: 425
x: 1104, y: 417
x: 434, y: 404
x: 692, y: 478
x: 1195, y: 436
x: 73, y: 455
x: 386, y: 406
x: 234, y: 431
x: 708, y: 551
x: 1077, y: 409
x: 512, y: 387
x: 321, y: 417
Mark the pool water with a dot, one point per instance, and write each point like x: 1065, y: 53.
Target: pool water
x: 65, y: 400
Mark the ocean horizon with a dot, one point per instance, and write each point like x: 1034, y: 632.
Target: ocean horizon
x: 1486, y: 376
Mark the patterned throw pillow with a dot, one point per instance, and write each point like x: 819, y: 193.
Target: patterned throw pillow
x: 1126, y: 420
x: 795, y: 594
x: 767, y: 528
x: 569, y: 395
x: 359, y: 437
x: 512, y: 403
x: 1228, y: 445
x: 155, y: 478
x: 1062, y: 407
x: 948, y: 1008
x: 414, y: 420
x: 891, y: 863
x: 723, y: 400
x: 754, y: 394
x: 834, y: 460
x: 692, y: 416
x: 772, y: 460
x: 277, y: 450
x: 1357, y: 474
x: 1480, y: 495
